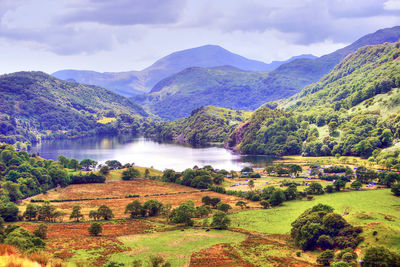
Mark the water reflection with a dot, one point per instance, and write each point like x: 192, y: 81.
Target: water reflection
x: 147, y: 153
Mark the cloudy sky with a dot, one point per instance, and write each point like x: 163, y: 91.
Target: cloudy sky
x: 118, y: 35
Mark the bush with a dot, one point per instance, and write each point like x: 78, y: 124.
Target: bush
x: 130, y: 174
x: 326, y: 257
x: 220, y: 220
x: 223, y: 207
x: 95, y: 229
x: 396, y: 189
x: 265, y: 204
x: 41, y: 231
x: 380, y: 256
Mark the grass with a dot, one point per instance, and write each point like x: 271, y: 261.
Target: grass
x: 377, y: 203
x: 117, y: 174
x: 174, y: 246
x: 106, y: 120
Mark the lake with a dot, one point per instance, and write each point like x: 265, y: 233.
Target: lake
x: 147, y: 153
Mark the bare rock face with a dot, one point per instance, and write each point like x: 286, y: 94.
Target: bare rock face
x: 236, y: 137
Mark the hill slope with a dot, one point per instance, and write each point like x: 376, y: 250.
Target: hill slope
x: 354, y: 110
x: 244, y: 90
x: 175, y: 97
x: 134, y: 82
x: 206, y: 125
x: 34, y: 105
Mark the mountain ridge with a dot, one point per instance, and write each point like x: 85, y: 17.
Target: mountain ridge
x: 129, y: 83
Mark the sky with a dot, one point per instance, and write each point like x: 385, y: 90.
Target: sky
x: 123, y: 35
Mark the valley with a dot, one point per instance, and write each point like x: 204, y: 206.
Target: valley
x: 206, y: 158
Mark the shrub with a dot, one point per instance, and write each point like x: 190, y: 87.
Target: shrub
x: 95, y: 229
x: 220, y: 220
x: 380, y: 256
x: 41, y: 231
x: 223, y: 207
x: 130, y: 174
x: 396, y: 189
x: 326, y: 257
x: 265, y: 204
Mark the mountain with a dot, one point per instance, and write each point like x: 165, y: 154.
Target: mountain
x: 352, y: 111
x: 205, y: 126
x: 134, y: 82
x: 35, y: 105
x: 175, y: 96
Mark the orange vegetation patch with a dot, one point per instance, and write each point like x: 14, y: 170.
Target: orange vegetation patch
x: 113, y: 189
x: 167, y: 193
x: 64, y: 240
x: 256, y: 250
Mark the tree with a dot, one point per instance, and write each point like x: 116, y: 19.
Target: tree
x: 88, y: 164
x: 214, y: 201
x: 135, y: 209
x: 76, y: 213
x: 73, y: 164
x: 338, y: 184
x: 153, y: 207
x: 223, y: 207
x: 94, y: 215
x: 105, y: 212
x: 315, y: 189
x: 130, y: 174
x: 104, y: 170
x: 218, y: 179
x: 396, y: 189
x: 380, y: 256
x: 147, y: 173
x: 41, y: 231
x: 265, y: 204
x: 9, y: 211
x: 63, y: 161
x: 220, y: 220
x: 295, y: 169
x: 241, y: 204
x: 95, y: 229
x: 203, y: 211
x: 356, y: 185
x: 113, y: 164
x: 184, y: 213
x: 13, y: 190
x: 206, y: 200
x: 332, y: 127
x: 31, y: 212
x: 326, y: 257
x: 277, y: 197
x: 251, y: 185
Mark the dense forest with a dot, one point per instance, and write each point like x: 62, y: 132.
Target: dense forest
x: 206, y: 125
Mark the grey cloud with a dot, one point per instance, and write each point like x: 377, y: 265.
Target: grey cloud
x: 126, y: 12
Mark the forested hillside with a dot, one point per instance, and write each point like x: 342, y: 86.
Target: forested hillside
x: 35, y: 105
x: 176, y: 96
x: 206, y: 125
x: 354, y: 110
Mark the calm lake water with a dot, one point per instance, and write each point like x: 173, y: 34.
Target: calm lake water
x: 147, y: 153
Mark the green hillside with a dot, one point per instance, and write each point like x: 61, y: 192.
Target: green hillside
x: 35, y: 105
x: 354, y: 110
x: 175, y: 97
x: 206, y: 125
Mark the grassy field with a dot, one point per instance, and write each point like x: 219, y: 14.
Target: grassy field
x: 106, y: 120
x: 175, y: 246
x: 367, y: 208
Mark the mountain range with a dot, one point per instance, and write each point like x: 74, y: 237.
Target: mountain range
x: 176, y: 96
x: 131, y: 83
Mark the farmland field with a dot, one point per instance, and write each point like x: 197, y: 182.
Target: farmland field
x: 372, y: 209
